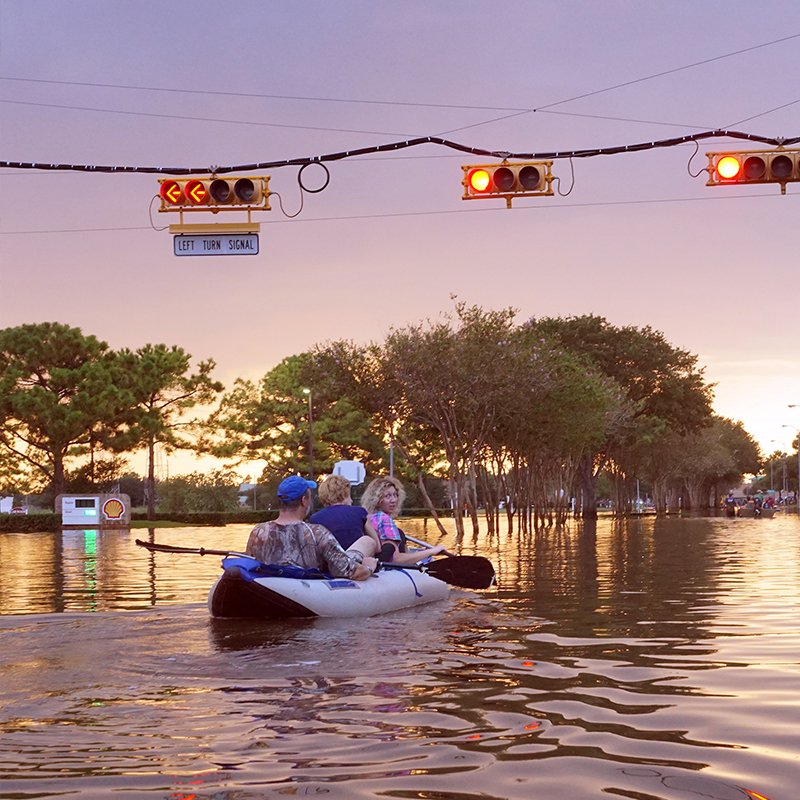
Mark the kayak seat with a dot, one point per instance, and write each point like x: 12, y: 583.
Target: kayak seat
x: 258, y: 569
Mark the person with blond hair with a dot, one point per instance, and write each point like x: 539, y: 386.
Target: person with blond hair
x: 383, y: 500
x: 348, y: 523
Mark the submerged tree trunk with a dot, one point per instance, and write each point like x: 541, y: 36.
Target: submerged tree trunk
x: 457, y: 495
x: 472, y: 497
x: 490, y: 507
x: 151, y: 479
x: 589, y: 486
x: 429, y: 503
x: 673, y: 500
x: 698, y: 495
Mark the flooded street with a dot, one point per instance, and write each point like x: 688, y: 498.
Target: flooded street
x: 649, y: 659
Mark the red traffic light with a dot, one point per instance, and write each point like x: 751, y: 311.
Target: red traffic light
x: 479, y: 180
x: 171, y: 192
x: 522, y: 179
x: 214, y: 194
x: 728, y: 168
x: 754, y: 166
x: 196, y: 192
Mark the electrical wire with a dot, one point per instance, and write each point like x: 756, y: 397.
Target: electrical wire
x: 283, y: 210
x: 407, y: 104
x: 201, y: 119
x: 255, y: 95
x: 689, y: 163
x: 155, y: 198
x: 764, y: 113
x: 401, y: 145
x: 546, y: 108
x: 519, y: 113
x: 572, y: 185
x: 473, y: 210
x: 670, y: 71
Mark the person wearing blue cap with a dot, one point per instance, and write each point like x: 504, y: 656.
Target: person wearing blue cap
x: 289, y: 539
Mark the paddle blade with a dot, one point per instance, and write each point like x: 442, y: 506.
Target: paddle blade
x: 467, y: 572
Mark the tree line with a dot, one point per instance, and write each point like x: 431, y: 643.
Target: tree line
x: 516, y: 419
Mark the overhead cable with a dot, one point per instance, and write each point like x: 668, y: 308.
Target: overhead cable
x: 402, y: 145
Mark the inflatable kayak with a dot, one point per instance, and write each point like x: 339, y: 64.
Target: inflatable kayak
x: 243, y: 590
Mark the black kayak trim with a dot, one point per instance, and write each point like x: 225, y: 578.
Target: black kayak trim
x: 234, y: 596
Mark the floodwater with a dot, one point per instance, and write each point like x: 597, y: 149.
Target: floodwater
x: 651, y: 660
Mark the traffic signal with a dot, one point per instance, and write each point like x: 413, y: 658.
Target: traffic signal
x: 754, y: 166
x: 523, y: 179
x: 214, y: 194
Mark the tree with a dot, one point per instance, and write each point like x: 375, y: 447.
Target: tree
x: 103, y: 476
x: 269, y: 422
x: 217, y: 490
x: 557, y: 411
x: 162, y: 391
x: 501, y: 412
x: 56, y: 386
x: 16, y: 476
x: 659, y: 381
x: 697, y: 467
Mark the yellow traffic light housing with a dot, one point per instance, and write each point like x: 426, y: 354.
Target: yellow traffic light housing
x: 214, y: 194
x: 754, y: 166
x: 521, y: 179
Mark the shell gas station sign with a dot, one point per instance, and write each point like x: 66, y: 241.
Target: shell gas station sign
x: 94, y: 510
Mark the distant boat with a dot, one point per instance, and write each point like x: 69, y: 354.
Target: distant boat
x: 758, y: 513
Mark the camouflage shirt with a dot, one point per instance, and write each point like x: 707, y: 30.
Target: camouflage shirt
x: 302, y: 545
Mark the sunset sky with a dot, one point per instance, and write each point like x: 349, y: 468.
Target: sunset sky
x: 638, y: 240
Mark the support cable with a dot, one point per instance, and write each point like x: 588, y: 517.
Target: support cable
x: 402, y: 145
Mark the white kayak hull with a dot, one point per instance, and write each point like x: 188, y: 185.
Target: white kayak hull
x: 239, y: 593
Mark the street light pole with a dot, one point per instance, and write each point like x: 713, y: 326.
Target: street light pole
x: 797, y: 496
x: 783, y: 450
x: 310, y: 437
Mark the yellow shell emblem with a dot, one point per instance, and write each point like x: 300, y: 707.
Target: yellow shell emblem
x: 113, y: 509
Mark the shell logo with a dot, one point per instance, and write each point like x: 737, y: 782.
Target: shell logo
x: 113, y: 509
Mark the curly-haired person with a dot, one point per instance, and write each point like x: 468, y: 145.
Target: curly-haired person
x: 383, y: 499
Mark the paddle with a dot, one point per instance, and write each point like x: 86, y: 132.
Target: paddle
x: 466, y: 572
x: 171, y: 548
x: 423, y: 544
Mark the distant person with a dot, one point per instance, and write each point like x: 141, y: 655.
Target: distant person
x: 348, y: 523
x: 290, y: 540
x: 730, y: 505
x: 383, y: 500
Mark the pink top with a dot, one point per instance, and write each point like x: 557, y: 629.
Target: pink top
x: 385, y: 527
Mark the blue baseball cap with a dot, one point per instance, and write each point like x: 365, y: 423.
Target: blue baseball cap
x: 293, y: 487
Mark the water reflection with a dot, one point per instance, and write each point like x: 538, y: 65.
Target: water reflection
x: 652, y: 660
x: 254, y: 634
x: 101, y: 570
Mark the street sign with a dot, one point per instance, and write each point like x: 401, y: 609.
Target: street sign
x: 220, y: 244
